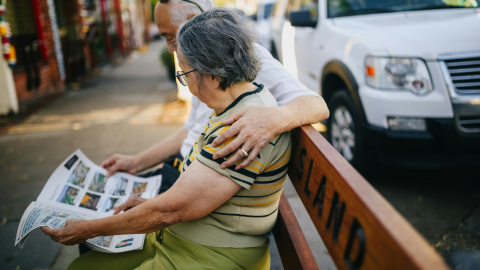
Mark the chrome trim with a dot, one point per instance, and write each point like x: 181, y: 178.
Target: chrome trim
x: 458, y: 98
x: 471, y: 122
x: 466, y: 77
x: 469, y: 63
x: 468, y: 85
x: 464, y: 105
x: 464, y: 70
x: 452, y: 56
x: 467, y: 118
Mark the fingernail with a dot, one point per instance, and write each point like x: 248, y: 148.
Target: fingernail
x: 237, y: 168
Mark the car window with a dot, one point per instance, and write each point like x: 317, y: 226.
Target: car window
x: 267, y: 10
x: 342, y: 8
x: 303, y: 5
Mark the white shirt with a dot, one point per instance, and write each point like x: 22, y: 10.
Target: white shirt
x: 272, y: 75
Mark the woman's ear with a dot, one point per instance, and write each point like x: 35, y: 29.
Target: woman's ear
x: 211, y: 80
x: 216, y: 81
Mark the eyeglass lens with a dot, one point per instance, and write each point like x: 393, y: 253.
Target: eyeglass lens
x: 182, y: 78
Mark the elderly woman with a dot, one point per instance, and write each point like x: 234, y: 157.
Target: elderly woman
x: 211, y: 217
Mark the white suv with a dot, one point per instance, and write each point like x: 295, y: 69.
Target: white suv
x: 401, y: 78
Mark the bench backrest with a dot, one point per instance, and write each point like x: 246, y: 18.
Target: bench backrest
x: 360, y: 229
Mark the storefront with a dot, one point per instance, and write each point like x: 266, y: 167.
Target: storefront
x: 59, y: 42
x: 36, y: 73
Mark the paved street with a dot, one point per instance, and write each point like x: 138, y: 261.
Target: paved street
x: 443, y: 205
x: 130, y: 107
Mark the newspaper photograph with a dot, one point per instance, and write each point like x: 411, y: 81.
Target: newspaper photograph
x: 80, y: 189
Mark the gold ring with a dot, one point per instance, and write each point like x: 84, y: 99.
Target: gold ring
x: 245, y: 154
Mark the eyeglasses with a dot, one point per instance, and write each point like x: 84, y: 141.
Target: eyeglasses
x: 188, y: 1
x: 181, y: 79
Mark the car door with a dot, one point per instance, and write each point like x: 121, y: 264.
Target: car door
x: 277, y: 25
x: 303, y: 18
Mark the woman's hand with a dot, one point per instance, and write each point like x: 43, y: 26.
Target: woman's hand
x: 118, y: 162
x: 74, y: 232
x: 254, y: 127
x: 130, y: 203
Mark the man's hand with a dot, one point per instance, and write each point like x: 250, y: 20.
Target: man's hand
x: 130, y: 203
x: 73, y: 233
x: 118, y: 162
x: 254, y: 127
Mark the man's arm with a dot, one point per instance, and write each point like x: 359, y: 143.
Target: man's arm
x: 254, y: 127
x: 147, y: 158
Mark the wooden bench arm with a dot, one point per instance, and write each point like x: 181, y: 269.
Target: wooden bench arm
x: 360, y: 229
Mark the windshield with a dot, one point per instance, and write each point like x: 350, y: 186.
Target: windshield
x: 341, y: 8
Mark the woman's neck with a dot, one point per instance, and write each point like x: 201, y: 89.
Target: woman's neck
x: 227, y: 97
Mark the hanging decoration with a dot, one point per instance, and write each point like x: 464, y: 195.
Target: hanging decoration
x: 5, y: 34
x: 56, y: 39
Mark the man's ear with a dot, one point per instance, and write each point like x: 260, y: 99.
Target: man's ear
x: 190, y: 16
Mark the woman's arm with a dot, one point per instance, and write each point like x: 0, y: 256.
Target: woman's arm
x: 191, y: 197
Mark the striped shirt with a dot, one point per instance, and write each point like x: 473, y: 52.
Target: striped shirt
x: 245, y: 218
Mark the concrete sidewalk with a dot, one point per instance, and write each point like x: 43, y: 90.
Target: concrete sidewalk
x: 125, y: 110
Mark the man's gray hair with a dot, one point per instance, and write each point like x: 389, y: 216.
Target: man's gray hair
x: 220, y: 42
x: 181, y: 9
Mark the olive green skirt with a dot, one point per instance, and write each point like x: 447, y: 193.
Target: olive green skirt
x: 166, y: 250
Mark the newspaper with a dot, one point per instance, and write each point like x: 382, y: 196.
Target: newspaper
x: 79, y: 189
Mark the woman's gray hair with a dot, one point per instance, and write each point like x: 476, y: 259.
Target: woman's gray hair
x: 221, y: 43
x: 182, y: 9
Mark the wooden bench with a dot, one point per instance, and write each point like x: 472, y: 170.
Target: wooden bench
x: 360, y: 229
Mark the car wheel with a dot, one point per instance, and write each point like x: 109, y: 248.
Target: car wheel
x: 344, y: 132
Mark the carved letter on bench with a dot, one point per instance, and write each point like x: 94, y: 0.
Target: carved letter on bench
x: 335, y: 218
x: 356, y: 232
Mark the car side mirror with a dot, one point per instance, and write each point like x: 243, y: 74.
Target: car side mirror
x: 302, y: 18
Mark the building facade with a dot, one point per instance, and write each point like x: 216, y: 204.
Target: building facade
x: 58, y: 43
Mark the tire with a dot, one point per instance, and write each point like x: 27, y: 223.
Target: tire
x: 344, y: 131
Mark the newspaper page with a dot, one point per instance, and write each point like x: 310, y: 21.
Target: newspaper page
x: 79, y: 189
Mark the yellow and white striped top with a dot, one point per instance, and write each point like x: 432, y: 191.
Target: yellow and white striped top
x: 244, y: 219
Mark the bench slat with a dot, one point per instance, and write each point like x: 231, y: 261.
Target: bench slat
x: 291, y: 243
x: 360, y: 229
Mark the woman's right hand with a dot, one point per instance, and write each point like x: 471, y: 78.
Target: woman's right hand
x: 74, y: 232
x: 130, y: 203
x: 118, y: 162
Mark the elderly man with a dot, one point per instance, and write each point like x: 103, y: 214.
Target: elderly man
x: 251, y: 128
